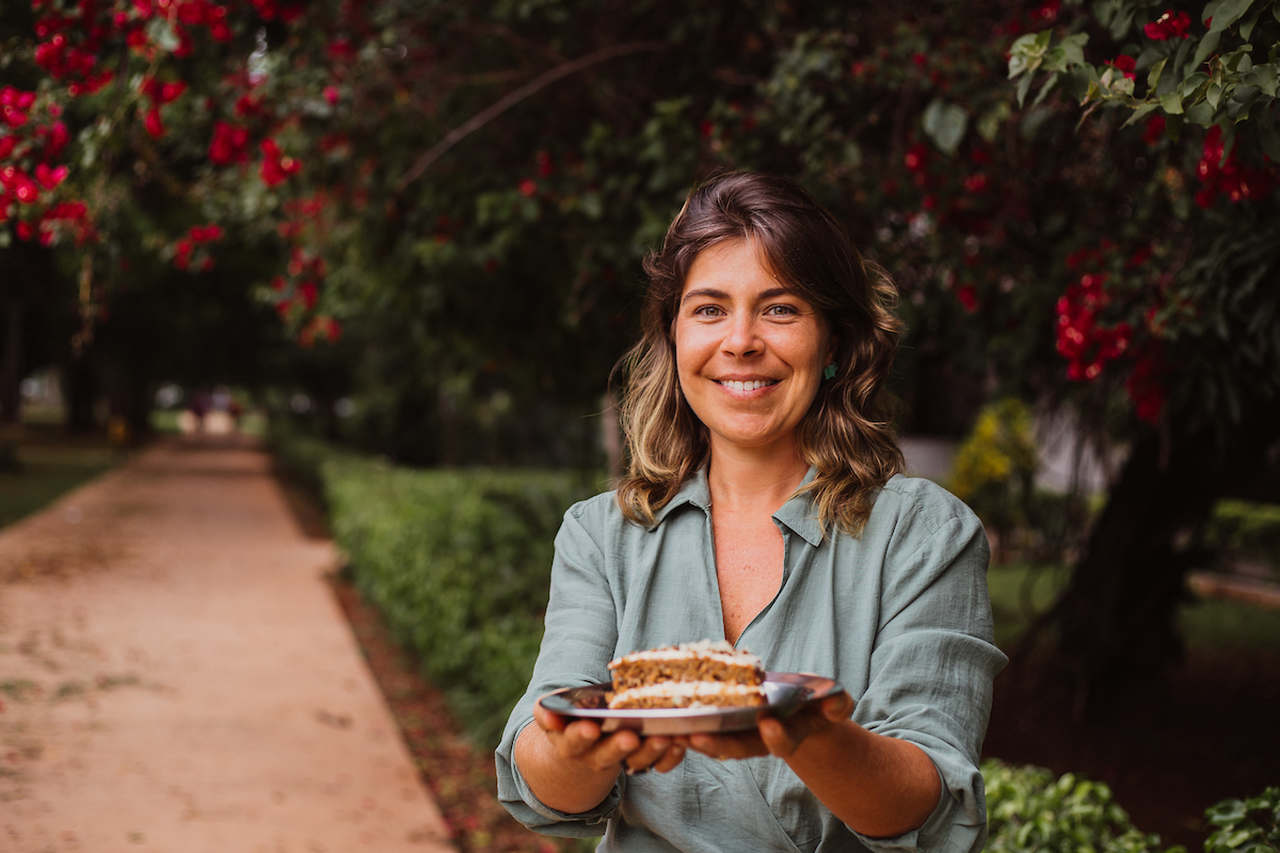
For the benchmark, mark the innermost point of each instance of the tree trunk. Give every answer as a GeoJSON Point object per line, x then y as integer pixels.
{"type": "Point", "coordinates": [1115, 625]}
{"type": "Point", "coordinates": [11, 358]}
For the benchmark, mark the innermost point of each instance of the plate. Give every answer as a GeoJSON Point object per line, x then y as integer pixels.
{"type": "Point", "coordinates": [784, 693]}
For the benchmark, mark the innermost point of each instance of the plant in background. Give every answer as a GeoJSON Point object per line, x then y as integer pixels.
{"type": "Point", "coordinates": [994, 468]}
{"type": "Point", "coordinates": [1245, 826]}
{"type": "Point", "coordinates": [1028, 809]}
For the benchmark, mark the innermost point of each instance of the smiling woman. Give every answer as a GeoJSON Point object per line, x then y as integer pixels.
{"type": "Point", "coordinates": [764, 508]}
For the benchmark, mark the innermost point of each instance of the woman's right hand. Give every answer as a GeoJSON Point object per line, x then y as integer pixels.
{"type": "Point", "coordinates": [581, 741]}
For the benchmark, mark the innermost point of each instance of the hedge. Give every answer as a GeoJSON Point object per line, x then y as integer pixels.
{"type": "Point", "coordinates": [458, 563]}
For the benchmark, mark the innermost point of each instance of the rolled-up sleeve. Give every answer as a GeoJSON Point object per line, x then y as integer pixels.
{"type": "Point", "coordinates": [932, 669]}
{"type": "Point", "coordinates": [578, 642]}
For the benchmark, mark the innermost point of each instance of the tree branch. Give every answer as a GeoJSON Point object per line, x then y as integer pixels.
{"type": "Point", "coordinates": [514, 97]}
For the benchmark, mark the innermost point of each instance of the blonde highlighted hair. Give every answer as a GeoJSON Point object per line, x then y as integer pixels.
{"type": "Point", "coordinates": [846, 434]}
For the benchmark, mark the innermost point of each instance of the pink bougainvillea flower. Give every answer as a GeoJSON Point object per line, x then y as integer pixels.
{"type": "Point", "coordinates": [1154, 130]}
{"type": "Point", "coordinates": [1124, 64]}
{"type": "Point", "coordinates": [155, 127]}
{"type": "Point", "coordinates": [916, 157]}
{"type": "Point", "coordinates": [1168, 25]}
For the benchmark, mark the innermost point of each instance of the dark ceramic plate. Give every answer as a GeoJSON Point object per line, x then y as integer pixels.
{"type": "Point", "coordinates": [784, 692]}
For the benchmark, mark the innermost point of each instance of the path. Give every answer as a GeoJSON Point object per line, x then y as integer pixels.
{"type": "Point", "coordinates": [175, 676]}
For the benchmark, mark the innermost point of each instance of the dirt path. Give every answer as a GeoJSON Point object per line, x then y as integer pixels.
{"type": "Point", "coordinates": [175, 676]}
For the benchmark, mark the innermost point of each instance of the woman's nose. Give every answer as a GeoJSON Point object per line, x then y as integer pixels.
{"type": "Point", "coordinates": [742, 338]}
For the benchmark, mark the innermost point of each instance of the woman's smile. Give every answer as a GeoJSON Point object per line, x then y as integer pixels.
{"type": "Point", "coordinates": [749, 350]}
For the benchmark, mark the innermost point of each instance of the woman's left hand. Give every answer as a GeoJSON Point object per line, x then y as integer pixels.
{"type": "Point", "coordinates": [773, 736]}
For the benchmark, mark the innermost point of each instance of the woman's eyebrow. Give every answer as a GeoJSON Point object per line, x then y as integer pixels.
{"type": "Point", "coordinates": [704, 292]}
{"type": "Point", "coordinates": [713, 293]}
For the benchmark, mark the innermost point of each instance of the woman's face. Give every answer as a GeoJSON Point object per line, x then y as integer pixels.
{"type": "Point", "coordinates": [749, 352]}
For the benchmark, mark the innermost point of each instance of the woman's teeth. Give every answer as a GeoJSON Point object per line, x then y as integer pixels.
{"type": "Point", "coordinates": [740, 387]}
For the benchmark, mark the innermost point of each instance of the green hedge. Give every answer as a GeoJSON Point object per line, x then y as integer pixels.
{"type": "Point", "coordinates": [458, 562]}
{"type": "Point", "coordinates": [1247, 530]}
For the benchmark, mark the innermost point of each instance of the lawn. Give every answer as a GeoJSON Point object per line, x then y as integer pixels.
{"type": "Point", "coordinates": [49, 464]}
{"type": "Point", "coordinates": [1020, 591]}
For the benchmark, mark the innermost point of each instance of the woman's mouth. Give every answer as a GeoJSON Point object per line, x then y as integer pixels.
{"type": "Point", "coordinates": [746, 386]}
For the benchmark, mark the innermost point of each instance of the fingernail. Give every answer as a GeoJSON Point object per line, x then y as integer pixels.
{"type": "Point", "coordinates": [631, 771]}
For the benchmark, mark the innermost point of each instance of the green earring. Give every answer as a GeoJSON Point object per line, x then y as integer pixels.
{"type": "Point", "coordinates": [829, 372]}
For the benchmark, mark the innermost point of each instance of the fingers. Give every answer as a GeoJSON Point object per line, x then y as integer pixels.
{"type": "Point", "coordinates": [838, 707]}
{"type": "Point", "coordinates": [732, 746]}
{"type": "Point", "coordinates": [650, 751]}
{"type": "Point", "coordinates": [548, 721]}
{"type": "Point", "coordinates": [670, 759]}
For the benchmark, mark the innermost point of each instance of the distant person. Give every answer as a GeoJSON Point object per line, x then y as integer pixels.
{"type": "Point", "coordinates": [199, 408]}
{"type": "Point", "coordinates": [764, 505]}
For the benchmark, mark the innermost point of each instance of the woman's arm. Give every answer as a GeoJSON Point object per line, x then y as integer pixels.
{"type": "Point", "coordinates": [880, 786]}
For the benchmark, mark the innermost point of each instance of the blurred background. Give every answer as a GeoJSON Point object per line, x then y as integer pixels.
{"type": "Point", "coordinates": [399, 244]}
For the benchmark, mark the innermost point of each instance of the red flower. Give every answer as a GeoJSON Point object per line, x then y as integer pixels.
{"type": "Point", "coordinates": [528, 188]}
{"type": "Point", "coordinates": [155, 127]}
{"type": "Point", "coordinates": [308, 291]}
{"type": "Point", "coordinates": [1124, 64]}
{"type": "Point", "coordinates": [331, 94]}
{"type": "Point", "coordinates": [976, 182]}
{"type": "Point", "coordinates": [1168, 25]}
{"type": "Point", "coordinates": [1154, 130]}
{"type": "Point", "coordinates": [50, 178]}
{"type": "Point", "coordinates": [7, 144]}
{"type": "Point", "coordinates": [968, 296]}
{"type": "Point", "coordinates": [916, 157]}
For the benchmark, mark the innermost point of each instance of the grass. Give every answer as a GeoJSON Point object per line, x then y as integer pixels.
{"type": "Point", "coordinates": [49, 465]}
{"type": "Point", "coordinates": [1020, 591]}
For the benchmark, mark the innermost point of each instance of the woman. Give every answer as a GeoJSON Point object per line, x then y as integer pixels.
{"type": "Point", "coordinates": [764, 505]}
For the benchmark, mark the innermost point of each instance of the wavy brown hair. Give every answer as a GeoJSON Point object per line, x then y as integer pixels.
{"type": "Point", "coordinates": [846, 434]}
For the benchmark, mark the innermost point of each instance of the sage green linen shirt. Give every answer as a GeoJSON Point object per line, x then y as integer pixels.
{"type": "Point", "coordinates": [899, 615]}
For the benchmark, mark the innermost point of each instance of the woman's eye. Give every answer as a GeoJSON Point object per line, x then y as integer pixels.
{"type": "Point", "coordinates": [707, 310]}
{"type": "Point", "coordinates": [781, 310]}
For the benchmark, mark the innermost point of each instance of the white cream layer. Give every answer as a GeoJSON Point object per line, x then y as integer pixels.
{"type": "Point", "coordinates": [717, 650]}
{"type": "Point", "coordinates": [686, 689]}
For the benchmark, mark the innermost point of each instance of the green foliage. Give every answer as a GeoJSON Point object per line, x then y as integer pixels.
{"type": "Point", "coordinates": [1028, 809]}
{"type": "Point", "coordinates": [1224, 71]}
{"type": "Point", "coordinates": [995, 466]}
{"type": "Point", "coordinates": [1246, 529]}
{"type": "Point", "coordinates": [1246, 826]}
{"type": "Point", "coordinates": [457, 561]}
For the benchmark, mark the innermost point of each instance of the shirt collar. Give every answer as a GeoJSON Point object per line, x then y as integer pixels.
{"type": "Point", "coordinates": [796, 514]}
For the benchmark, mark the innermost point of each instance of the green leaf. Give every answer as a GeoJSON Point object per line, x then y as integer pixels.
{"type": "Point", "coordinates": [1246, 29]}
{"type": "Point", "coordinates": [1269, 134]}
{"type": "Point", "coordinates": [1153, 76]}
{"type": "Point", "coordinates": [945, 123]}
{"type": "Point", "coordinates": [988, 125]}
{"type": "Point", "coordinates": [1265, 77]}
{"type": "Point", "coordinates": [1171, 103]}
{"type": "Point", "coordinates": [1073, 50]}
{"type": "Point", "coordinates": [1225, 13]}
{"type": "Point", "coordinates": [1208, 44]}
{"type": "Point", "coordinates": [1023, 86]}
{"type": "Point", "coordinates": [1212, 96]}
{"type": "Point", "coordinates": [1140, 112]}
{"type": "Point", "coordinates": [1044, 90]}
{"type": "Point", "coordinates": [1201, 113]}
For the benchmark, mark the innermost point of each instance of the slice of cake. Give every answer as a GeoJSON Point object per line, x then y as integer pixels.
{"type": "Point", "coordinates": [703, 674]}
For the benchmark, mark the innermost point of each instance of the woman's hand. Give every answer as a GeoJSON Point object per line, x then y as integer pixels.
{"type": "Point", "coordinates": [581, 741]}
{"type": "Point", "coordinates": [773, 736]}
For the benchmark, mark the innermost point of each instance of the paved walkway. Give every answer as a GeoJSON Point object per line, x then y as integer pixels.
{"type": "Point", "coordinates": [175, 676]}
